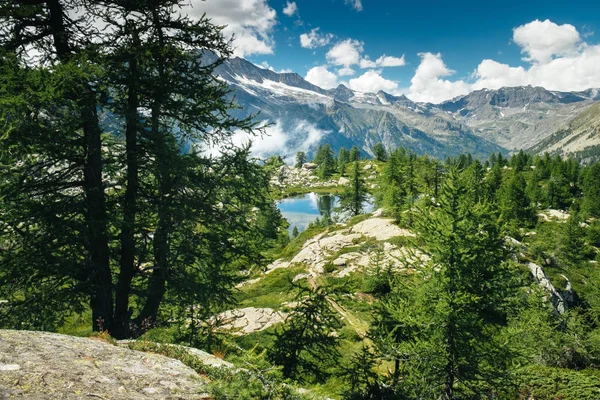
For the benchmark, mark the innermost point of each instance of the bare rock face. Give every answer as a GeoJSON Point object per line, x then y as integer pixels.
{"type": "Point", "coordinates": [42, 365]}
{"type": "Point", "coordinates": [244, 321]}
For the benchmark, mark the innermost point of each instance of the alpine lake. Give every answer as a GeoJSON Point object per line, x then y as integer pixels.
{"type": "Point", "coordinates": [301, 210]}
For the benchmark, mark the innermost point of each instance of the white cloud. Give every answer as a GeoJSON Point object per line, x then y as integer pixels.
{"type": "Point", "coordinates": [266, 65]}
{"type": "Point", "coordinates": [314, 39]}
{"type": "Point", "coordinates": [346, 71]}
{"type": "Point", "coordinates": [356, 4]}
{"type": "Point", "coordinates": [390, 61]}
{"type": "Point", "coordinates": [559, 60]}
{"type": "Point", "coordinates": [366, 63]}
{"type": "Point", "coordinates": [541, 41]}
{"type": "Point", "coordinates": [383, 61]}
{"type": "Point", "coordinates": [281, 140]}
{"type": "Point", "coordinates": [290, 8]}
{"type": "Point", "coordinates": [372, 81]}
{"type": "Point", "coordinates": [426, 84]}
{"type": "Point", "coordinates": [345, 53]}
{"type": "Point", "coordinates": [322, 77]}
{"type": "Point", "coordinates": [251, 21]}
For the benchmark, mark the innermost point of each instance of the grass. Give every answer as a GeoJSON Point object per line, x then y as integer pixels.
{"type": "Point", "coordinates": [272, 290]}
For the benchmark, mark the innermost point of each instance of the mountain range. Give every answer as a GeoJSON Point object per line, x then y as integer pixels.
{"type": "Point", "coordinates": [304, 115]}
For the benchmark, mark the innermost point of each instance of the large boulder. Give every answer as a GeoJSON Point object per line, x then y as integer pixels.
{"type": "Point", "coordinates": [42, 365]}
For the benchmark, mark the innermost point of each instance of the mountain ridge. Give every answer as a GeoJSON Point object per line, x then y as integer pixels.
{"type": "Point", "coordinates": [480, 122]}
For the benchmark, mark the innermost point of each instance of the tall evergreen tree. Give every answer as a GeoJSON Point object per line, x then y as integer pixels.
{"type": "Point", "coordinates": [442, 329]}
{"type": "Point", "coordinates": [300, 159]}
{"type": "Point", "coordinates": [380, 152]}
{"type": "Point", "coordinates": [355, 193]}
{"type": "Point", "coordinates": [354, 154]}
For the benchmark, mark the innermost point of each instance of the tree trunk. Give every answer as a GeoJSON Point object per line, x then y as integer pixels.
{"type": "Point", "coordinates": [127, 261]}
{"type": "Point", "coordinates": [99, 275]}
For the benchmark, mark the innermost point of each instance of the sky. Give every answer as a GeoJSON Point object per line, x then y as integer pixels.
{"type": "Point", "coordinates": [430, 50]}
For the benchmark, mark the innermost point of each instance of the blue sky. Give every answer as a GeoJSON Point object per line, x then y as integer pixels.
{"type": "Point", "coordinates": [436, 49]}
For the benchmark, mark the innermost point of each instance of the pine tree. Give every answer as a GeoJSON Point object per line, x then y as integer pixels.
{"type": "Point", "coordinates": [325, 160]}
{"type": "Point", "coordinates": [300, 159]}
{"type": "Point", "coordinates": [305, 346]}
{"type": "Point", "coordinates": [441, 330]}
{"type": "Point", "coordinates": [380, 152]}
{"type": "Point", "coordinates": [354, 154]}
{"type": "Point", "coordinates": [355, 193]}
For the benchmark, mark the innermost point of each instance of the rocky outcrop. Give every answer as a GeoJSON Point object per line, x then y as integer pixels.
{"type": "Point", "coordinates": [247, 320]}
{"type": "Point", "coordinates": [288, 176]}
{"type": "Point", "coordinates": [42, 365]}
{"type": "Point", "coordinates": [558, 300]}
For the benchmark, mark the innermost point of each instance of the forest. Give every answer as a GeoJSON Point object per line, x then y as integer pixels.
{"type": "Point", "coordinates": [115, 220]}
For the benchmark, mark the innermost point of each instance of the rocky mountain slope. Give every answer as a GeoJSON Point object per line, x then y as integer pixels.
{"type": "Point", "coordinates": [580, 138]}
{"type": "Point", "coordinates": [480, 122]}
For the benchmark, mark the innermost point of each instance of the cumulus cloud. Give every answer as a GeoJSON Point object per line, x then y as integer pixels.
{"type": "Point", "coordinates": [541, 41]}
{"type": "Point", "coordinates": [251, 21]}
{"type": "Point", "coordinates": [427, 85]}
{"type": "Point", "coordinates": [366, 63]}
{"type": "Point", "coordinates": [558, 60]}
{"type": "Point", "coordinates": [356, 4]}
{"type": "Point", "coordinates": [290, 8]}
{"type": "Point", "coordinates": [345, 53]}
{"type": "Point", "coordinates": [372, 81]}
{"type": "Point", "coordinates": [322, 77]}
{"type": "Point", "coordinates": [390, 61]}
{"type": "Point", "coordinates": [281, 140]}
{"type": "Point", "coordinates": [383, 61]}
{"type": "Point", "coordinates": [345, 71]}
{"type": "Point", "coordinates": [314, 39]}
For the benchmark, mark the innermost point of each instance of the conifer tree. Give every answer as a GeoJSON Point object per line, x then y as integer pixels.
{"type": "Point", "coordinates": [355, 193]}
{"type": "Point", "coordinates": [354, 154]}
{"type": "Point", "coordinates": [305, 346]}
{"type": "Point", "coordinates": [440, 324]}
{"type": "Point", "coordinates": [300, 159]}
{"type": "Point", "coordinates": [380, 152]}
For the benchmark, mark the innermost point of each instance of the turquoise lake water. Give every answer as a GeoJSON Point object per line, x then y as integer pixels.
{"type": "Point", "coordinates": [301, 210]}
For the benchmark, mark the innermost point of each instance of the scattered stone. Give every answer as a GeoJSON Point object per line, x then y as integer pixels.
{"type": "Point", "coordinates": [310, 166]}
{"type": "Point", "coordinates": [343, 181]}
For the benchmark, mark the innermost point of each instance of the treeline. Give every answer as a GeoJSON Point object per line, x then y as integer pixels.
{"type": "Point", "coordinates": [125, 224]}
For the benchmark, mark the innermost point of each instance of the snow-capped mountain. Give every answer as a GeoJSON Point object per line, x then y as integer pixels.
{"type": "Point", "coordinates": [481, 122]}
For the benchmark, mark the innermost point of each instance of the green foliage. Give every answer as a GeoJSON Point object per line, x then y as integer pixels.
{"type": "Point", "coordinates": [545, 383]}
{"type": "Point", "coordinates": [354, 154]}
{"type": "Point", "coordinates": [380, 152]}
{"type": "Point", "coordinates": [324, 157]}
{"type": "Point", "coordinates": [452, 318]}
{"type": "Point", "coordinates": [355, 193]}
{"type": "Point", "coordinates": [300, 159]}
{"type": "Point", "coordinates": [305, 346]}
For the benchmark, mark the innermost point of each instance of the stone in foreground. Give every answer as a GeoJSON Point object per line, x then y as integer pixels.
{"type": "Point", "coordinates": [42, 365]}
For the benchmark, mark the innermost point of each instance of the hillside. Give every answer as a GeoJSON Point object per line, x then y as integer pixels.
{"type": "Point", "coordinates": [579, 139]}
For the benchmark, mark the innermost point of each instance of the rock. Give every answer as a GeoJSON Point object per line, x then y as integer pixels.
{"type": "Point", "coordinates": [42, 365]}
{"type": "Point", "coordinates": [380, 228]}
{"type": "Point", "coordinates": [343, 181]}
{"type": "Point", "coordinates": [551, 215]}
{"type": "Point", "coordinates": [542, 279]}
{"type": "Point", "coordinates": [378, 213]}
{"type": "Point", "coordinates": [367, 167]}
{"type": "Point", "coordinates": [310, 166]}
{"type": "Point", "coordinates": [247, 320]}
{"type": "Point", "coordinates": [300, 277]}
{"type": "Point", "coordinates": [277, 264]}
